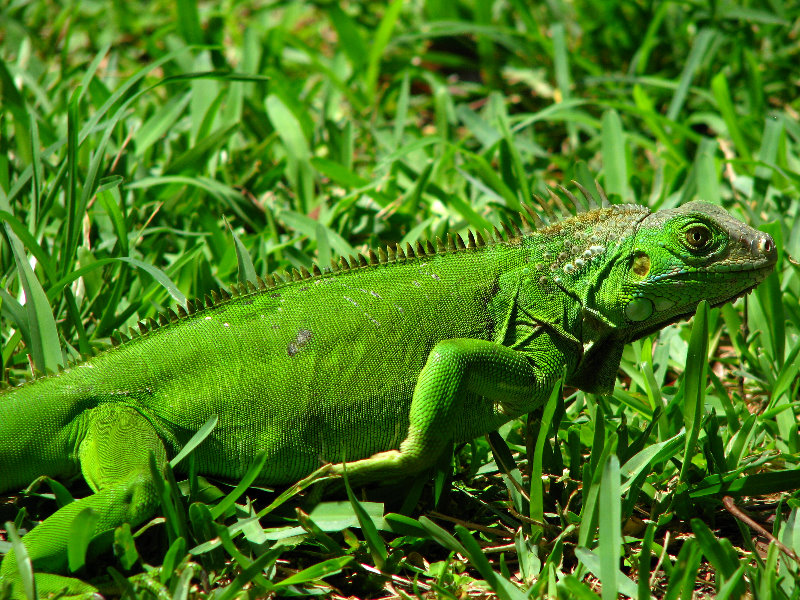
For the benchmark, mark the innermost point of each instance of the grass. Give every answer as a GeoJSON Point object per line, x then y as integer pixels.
{"type": "Point", "coordinates": [154, 151]}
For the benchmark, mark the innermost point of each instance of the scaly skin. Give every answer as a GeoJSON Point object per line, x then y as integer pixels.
{"type": "Point", "coordinates": [382, 364]}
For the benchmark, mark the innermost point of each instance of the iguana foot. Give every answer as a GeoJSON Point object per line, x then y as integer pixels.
{"type": "Point", "coordinates": [391, 464]}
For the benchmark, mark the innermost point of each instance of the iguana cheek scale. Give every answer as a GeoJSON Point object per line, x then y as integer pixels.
{"type": "Point", "coordinates": [384, 361]}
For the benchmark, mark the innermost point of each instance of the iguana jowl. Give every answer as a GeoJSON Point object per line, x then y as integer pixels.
{"type": "Point", "coordinates": [384, 361]}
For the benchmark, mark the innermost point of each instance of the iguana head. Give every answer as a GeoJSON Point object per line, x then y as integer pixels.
{"type": "Point", "coordinates": [677, 258]}
{"type": "Point", "coordinates": [641, 271]}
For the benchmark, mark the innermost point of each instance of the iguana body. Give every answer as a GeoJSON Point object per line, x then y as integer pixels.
{"type": "Point", "coordinates": [384, 362]}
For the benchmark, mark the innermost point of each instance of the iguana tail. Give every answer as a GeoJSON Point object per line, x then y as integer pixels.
{"type": "Point", "coordinates": [67, 424]}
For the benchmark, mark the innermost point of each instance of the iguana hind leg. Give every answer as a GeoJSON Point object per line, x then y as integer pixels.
{"type": "Point", "coordinates": [114, 458]}
{"type": "Point", "coordinates": [467, 387]}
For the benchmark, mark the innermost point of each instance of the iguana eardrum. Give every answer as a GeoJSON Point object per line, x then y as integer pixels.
{"type": "Point", "coordinates": [384, 360]}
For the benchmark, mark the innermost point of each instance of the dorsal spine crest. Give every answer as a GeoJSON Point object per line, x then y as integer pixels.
{"type": "Point", "coordinates": [453, 243]}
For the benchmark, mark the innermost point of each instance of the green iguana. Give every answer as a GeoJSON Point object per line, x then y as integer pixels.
{"type": "Point", "coordinates": [385, 359]}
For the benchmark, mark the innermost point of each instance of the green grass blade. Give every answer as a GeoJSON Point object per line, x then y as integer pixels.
{"type": "Point", "coordinates": [296, 145]}
{"type": "Point", "coordinates": [767, 155]}
{"type": "Point", "coordinates": [719, 552]}
{"type": "Point", "coordinates": [732, 587]}
{"type": "Point", "coordinates": [758, 484]}
{"type": "Point", "coordinates": [188, 21]}
{"type": "Point", "coordinates": [69, 241]}
{"type": "Point", "coordinates": [614, 155]}
{"type": "Point", "coordinates": [722, 94]}
{"type": "Point", "coordinates": [593, 563]}
{"type": "Point", "coordinates": [159, 124]}
{"type": "Point", "coordinates": [684, 572]}
{"type": "Point", "coordinates": [771, 297]}
{"type": "Point", "coordinates": [258, 579]}
{"type": "Point", "coordinates": [537, 487]}
{"type": "Point", "coordinates": [36, 164]}
{"type": "Point", "coordinates": [694, 383]}
{"type": "Point", "coordinates": [252, 474]}
{"type": "Point", "coordinates": [200, 435]}
{"type": "Point", "coordinates": [24, 564]}
{"type": "Point", "coordinates": [643, 462]}
{"type": "Point", "coordinates": [378, 45]}
{"type": "Point", "coordinates": [332, 566]}
{"type": "Point", "coordinates": [610, 535]}
{"type": "Point", "coordinates": [501, 586]}
{"type": "Point", "coordinates": [294, 490]}
{"type": "Point", "coordinates": [175, 554]}
{"type": "Point", "coordinates": [644, 562]}
{"type": "Point", "coordinates": [791, 535]}
{"type": "Point", "coordinates": [167, 492]}
{"type": "Point", "coordinates": [442, 536]}
{"type": "Point", "coordinates": [697, 55]}
{"type": "Point", "coordinates": [401, 115]}
{"type": "Point", "coordinates": [512, 478]}
{"type": "Point", "coordinates": [109, 198]}
{"type": "Point", "coordinates": [13, 102]}
{"type": "Point", "coordinates": [571, 588]}
{"type": "Point", "coordinates": [247, 271]}
{"type": "Point", "coordinates": [28, 241]}
{"type": "Point", "coordinates": [590, 508]}
{"type": "Point", "coordinates": [308, 226]}
{"type": "Point", "coordinates": [562, 72]}
{"type": "Point", "coordinates": [707, 172]}
{"type": "Point", "coordinates": [247, 575]}
{"type": "Point", "coordinates": [125, 546]}
{"type": "Point", "coordinates": [740, 442]}
{"type": "Point", "coordinates": [45, 347]}
{"type": "Point", "coordinates": [351, 39]}
{"type": "Point", "coordinates": [81, 533]}
{"type": "Point", "coordinates": [377, 547]}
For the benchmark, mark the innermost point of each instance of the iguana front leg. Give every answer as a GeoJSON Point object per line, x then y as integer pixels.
{"type": "Point", "coordinates": [460, 378]}
{"type": "Point", "coordinates": [114, 458]}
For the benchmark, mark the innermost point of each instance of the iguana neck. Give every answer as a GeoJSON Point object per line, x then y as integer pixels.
{"type": "Point", "coordinates": [578, 258]}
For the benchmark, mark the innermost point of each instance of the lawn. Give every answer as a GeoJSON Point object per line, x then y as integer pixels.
{"type": "Point", "coordinates": [154, 151]}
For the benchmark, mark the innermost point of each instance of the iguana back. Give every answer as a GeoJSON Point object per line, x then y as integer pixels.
{"type": "Point", "coordinates": [311, 370]}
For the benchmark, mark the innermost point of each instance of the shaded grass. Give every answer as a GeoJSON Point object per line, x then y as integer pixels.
{"type": "Point", "coordinates": [131, 131]}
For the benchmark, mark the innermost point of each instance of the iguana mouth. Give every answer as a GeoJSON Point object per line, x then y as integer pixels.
{"type": "Point", "coordinates": [689, 313]}
{"type": "Point", "coordinates": [744, 292]}
{"type": "Point", "coordinates": [760, 270]}
{"type": "Point", "coordinates": [757, 274]}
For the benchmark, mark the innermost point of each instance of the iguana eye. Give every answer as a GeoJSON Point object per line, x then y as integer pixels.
{"type": "Point", "coordinates": [698, 237]}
